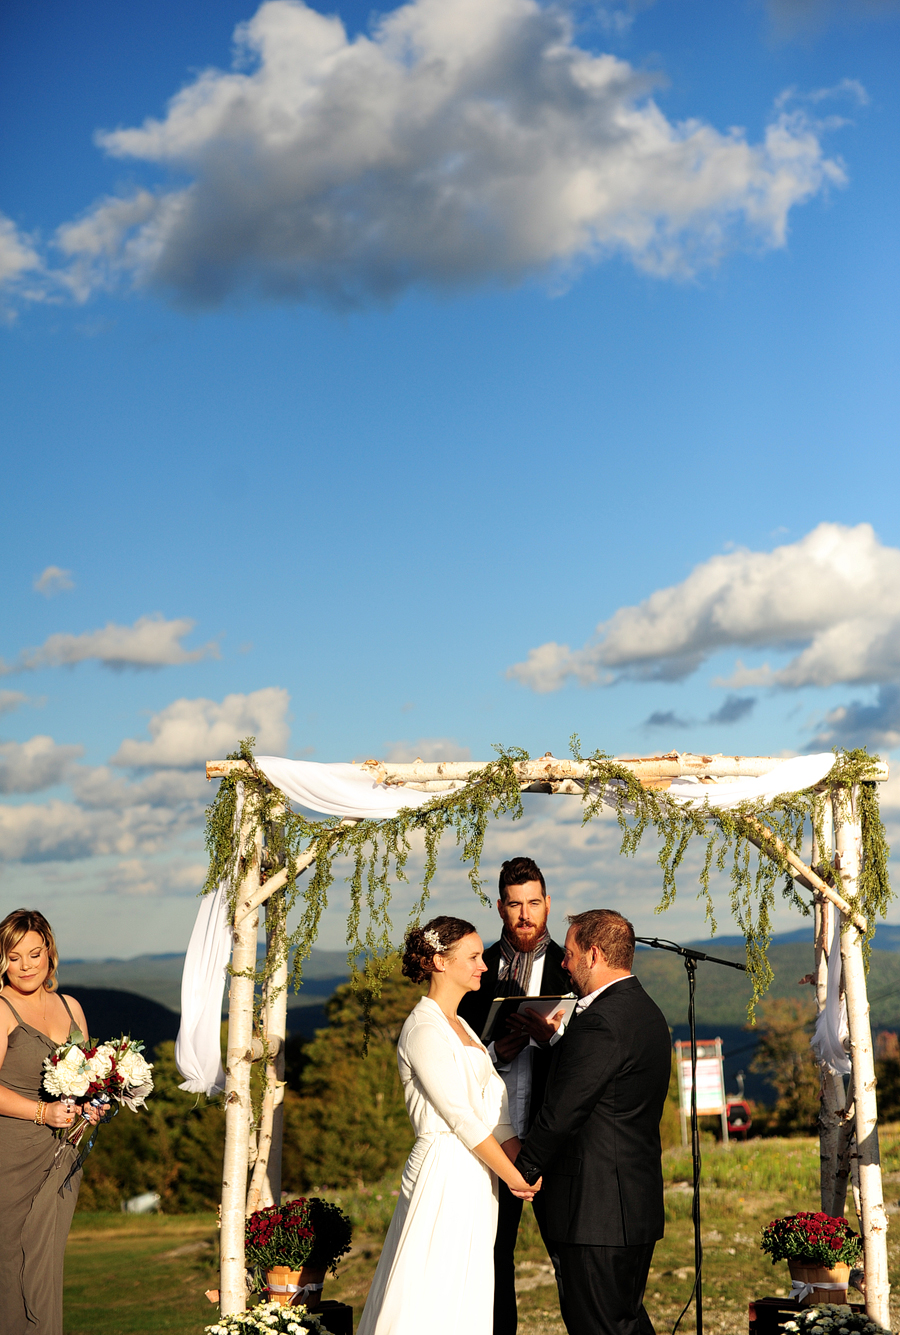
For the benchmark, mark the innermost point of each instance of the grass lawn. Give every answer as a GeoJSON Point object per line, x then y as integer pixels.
{"type": "Point", "coordinates": [135, 1274]}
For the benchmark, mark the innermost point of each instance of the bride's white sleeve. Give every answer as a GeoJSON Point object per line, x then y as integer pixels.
{"type": "Point", "coordinates": [434, 1066]}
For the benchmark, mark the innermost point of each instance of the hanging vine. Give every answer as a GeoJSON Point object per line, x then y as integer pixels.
{"type": "Point", "coordinates": [379, 851]}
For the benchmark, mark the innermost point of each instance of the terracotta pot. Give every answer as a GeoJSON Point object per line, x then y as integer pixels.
{"type": "Point", "coordinates": [285, 1286]}
{"type": "Point", "coordinates": [827, 1285]}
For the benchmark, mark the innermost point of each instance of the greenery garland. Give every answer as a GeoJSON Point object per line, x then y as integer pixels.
{"type": "Point", "coordinates": [380, 851]}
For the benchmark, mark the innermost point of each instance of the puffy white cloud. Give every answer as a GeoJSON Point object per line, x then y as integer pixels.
{"type": "Point", "coordinates": [11, 700]}
{"type": "Point", "coordinates": [189, 732]}
{"type": "Point", "coordinates": [17, 254]}
{"type": "Point", "coordinates": [137, 877]}
{"type": "Point", "coordinates": [103, 789]}
{"type": "Point", "coordinates": [832, 599]}
{"type": "Point", "coordinates": [56, 831]}
{"type": "Point", "coordinates": [151, 642]}
{"type": "Point", "coordinates": [54, 580]}
{"type": "Point", "coordinates": [27, 767]}
{"type": "Point", "coordinates": [462, 141]}
{"type": "Point", "coordinates": [427, 748]}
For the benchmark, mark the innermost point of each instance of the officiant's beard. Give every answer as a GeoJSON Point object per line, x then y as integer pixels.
{"type": "Point", "coordinates": [524, 938]}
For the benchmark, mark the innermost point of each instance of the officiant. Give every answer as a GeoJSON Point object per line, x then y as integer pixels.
{"type": "Point", "coordinates": [525, 962]}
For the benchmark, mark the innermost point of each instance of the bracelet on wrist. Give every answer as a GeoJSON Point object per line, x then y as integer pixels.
{"type": "Point", "coordinates": [40, 1115]}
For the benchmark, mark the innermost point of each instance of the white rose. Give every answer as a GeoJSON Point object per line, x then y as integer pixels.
{"type": "Point", "coordinates": [133, 1069]}
{"type": "Point", "coordinates": [101, 1062]}
{"type": "Point", "coordinates": [73, 1073]}
{"type": "Point", "coordinates": [52, 1082]}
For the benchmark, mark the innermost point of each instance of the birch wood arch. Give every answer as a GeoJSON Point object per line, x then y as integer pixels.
{"type": "Point", "coordinates": [265, 869]}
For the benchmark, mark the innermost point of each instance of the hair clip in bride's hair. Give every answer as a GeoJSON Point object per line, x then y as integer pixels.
{"type": "Point", "coordinates": [432, 939]}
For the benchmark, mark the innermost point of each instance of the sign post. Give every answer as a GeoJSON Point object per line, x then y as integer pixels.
{"type": "Point", "coordinates": [710, 1084]}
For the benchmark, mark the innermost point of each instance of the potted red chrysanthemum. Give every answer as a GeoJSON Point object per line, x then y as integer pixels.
{"type": "Point", "coordinates": [819, 1250]}
{"type": "Point", "coordinates": [289, 1248]}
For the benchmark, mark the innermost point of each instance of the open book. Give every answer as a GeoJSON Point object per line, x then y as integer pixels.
{"type": "Point", "coordinates": [503, 1007]}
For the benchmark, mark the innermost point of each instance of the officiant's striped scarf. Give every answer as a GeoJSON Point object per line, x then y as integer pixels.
{"type": "Point", "coordinates": [514, 978]}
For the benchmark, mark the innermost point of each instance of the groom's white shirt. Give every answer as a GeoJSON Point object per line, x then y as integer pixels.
{"type": "Point", "coordinates": [584, 1002]}
{"type": "Point", "coordinates": [517, 1073]}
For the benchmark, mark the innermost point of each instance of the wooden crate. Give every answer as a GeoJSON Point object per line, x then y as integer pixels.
{"type": "Point", "coordinates": [337, 1318]}
{"type": "Point", "coordinates": [768, 1315]}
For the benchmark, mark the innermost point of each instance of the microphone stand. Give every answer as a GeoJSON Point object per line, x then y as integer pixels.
{"type": "Point", "coordinates": [691, 958]}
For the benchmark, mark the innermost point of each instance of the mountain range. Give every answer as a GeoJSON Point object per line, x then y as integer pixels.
{"type": "Point", "coordinates": [143, 995]}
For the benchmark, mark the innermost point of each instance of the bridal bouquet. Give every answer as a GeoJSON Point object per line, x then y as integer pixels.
{"type": "Point", "coordinates": [103, 1074]}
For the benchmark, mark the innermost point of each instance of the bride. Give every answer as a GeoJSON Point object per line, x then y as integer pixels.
{"type": "Point", "coordinates": [438, 1256]}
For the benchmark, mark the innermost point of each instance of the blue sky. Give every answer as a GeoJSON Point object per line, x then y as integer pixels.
{"type": "Point", "coordinates": [514, 319]}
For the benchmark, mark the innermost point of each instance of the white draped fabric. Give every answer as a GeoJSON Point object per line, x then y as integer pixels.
{"type": "Point", "coordinates": [791, 776]}
{"type": "Point", "coordinates": [349, 791]}
{"type": "Point", "coordinates": [198, 1048]}
{"type": "Point", "coordinates": [832, 1028]}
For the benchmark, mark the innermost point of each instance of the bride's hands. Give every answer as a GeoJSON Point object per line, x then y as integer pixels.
{"type": "Point", "coordinates": [530, 1191]}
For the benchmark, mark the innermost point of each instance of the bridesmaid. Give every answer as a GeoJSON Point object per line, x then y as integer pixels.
{"type": "Point", "coordinates": [36, 1207]}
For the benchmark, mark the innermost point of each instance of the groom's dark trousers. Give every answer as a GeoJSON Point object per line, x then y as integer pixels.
{"type": "Point", "coordinates": [596, 1143]}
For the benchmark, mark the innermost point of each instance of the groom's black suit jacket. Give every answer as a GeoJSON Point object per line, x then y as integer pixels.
{"type": "Point", "coordinates": [596, 1138]}
{"type": "Point", "coordinates": [474, 1009]}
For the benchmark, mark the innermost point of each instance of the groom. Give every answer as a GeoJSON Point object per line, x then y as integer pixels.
{"type": "Point", "coordinates": [595, 1141]}
{"type": "Point", "coordinates": [526, 963]}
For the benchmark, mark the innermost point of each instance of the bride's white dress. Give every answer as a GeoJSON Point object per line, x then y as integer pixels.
{"type": "Point", "coordinates": [436, 1271]}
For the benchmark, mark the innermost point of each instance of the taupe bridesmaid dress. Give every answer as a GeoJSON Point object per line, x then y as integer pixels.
{"type": "Point", "coordinates": [36, 1207]}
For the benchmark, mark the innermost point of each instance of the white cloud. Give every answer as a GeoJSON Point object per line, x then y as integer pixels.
{"type": "Point", "coordinates": [426, 748]}
{"type": "Point", "coordinates": [462, 141]}
{"type": "Point", "coordinates": [56, 831]}
{"type": "Point", "coordinates": [103, 789]}
{"type": "Point", "coordinates": [151, 642]}
{"type": "Point", "coordinates": [54, 580]}
{"type": "Point", "coordinates": [136, 877]}
{"type": "Point", "coordinates": [832, 600]}
{"type": "Point", "coordinates": [11, 701]}
{"type": "Point", "coordinates": [17, 253]}
{"type": "Point", "coordinates": [189, 732]}
{"type": "Point", "coordinates": [28, 767]}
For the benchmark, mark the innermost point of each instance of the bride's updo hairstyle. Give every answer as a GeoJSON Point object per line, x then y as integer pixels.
{"type": "Point", "coordinates": [18, 924]}
{"type": "Point", "coordinates": [437, 937]}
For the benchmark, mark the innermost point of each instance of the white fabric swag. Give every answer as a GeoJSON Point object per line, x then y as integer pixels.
{"type": "Point", "coordinates": [832, 1030]}
{"type": "Point", "coordinates": [347, 790]}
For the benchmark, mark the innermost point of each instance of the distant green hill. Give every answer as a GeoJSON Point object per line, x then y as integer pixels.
{"type": "Point", "coordinates": [159, 976]}
{"type": "Point", "coordinates": [723, 994]}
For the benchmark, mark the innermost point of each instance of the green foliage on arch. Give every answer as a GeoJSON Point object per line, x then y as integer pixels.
{"type": "Point", "coordinates": [379, 851]}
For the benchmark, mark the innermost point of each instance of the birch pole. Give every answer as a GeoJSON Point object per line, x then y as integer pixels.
{"type": "Point", "coordinates": [265, 1182]}
{"type": "Point", "coordinates": [238, 1111]}
{"type": "Point", "coordinates": [831, 1108]}
{"type": "Point", "coordinates": [873, 1219]}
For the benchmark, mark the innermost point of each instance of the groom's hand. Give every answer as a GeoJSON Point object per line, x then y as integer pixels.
{"type": "Point", "coordinates": [539, 1027]}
